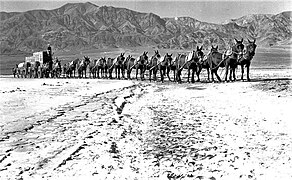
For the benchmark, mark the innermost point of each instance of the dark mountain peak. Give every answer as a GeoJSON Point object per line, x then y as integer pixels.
{"type": "Point", "coordinates": [77, 7]}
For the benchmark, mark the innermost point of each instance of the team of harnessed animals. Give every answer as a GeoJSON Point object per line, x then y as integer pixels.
{"type": "Point", "coordinates": [193, 62]}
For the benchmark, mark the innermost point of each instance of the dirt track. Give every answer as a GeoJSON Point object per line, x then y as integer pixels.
{"type": "Point", "coordinates": [158, 131]}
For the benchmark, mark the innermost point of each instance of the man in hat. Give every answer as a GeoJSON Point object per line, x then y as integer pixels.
{"type": "Point", "coordinates": [49, 50]}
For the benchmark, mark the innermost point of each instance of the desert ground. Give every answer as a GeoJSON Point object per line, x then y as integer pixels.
{"type": "Point", "coordinates": [120, 129]}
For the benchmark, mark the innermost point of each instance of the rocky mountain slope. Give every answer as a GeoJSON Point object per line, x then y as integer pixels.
{"type": "Point", "coordinates": [76, 26]}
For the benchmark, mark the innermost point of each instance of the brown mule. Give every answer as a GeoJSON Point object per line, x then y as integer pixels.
{"type": "Point", "coordinates": [188, 62]}
{"type": "Point", "coordinates": [245, 60]}
{"type": "Point", "coordinates": [152, 65]}
{"type": "Point", "coordinates": [217, 59]}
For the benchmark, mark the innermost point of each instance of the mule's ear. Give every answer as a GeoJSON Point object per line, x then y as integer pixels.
{"type": "Point", "coordinates": [201, 48]}
{"type": "Point", "coordinates": [241, 40]}
{"type": "Point", "coordinates": [254, 40]}
{"type": "Point", "coordinates": [198, 48]}
{"type": "Point", "coordinates": [146, 53]}
{"type": "Point", "coordinates": [235, 40]}
{"type": "Point", "coordinates": [170, 54]}
{"type": "Point", "coordinates": [216, 47]}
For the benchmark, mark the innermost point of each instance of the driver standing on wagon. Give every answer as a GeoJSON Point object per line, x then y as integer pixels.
{"type": "Point", "coordinates": [50, 56]}
{"type": "Point", "coordinates": [50, 50]}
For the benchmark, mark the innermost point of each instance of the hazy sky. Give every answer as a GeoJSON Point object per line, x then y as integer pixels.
{"type": "Point", "coordinates": [209, 11]}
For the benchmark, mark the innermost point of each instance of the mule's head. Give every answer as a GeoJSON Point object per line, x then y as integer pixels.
{"type": "Point", "coordinates": [238, 46]}
{"type": "Point", "coordinates": [143, 58]}
{"type": "Point", "coordinates": [167, 58]}
{"type": "Point", "coordinates": [129, 57]}
{"type": "Point", "coordinates": [86, 60]}
{"type": "Point", "coordinates": [214, 49]}
{"type": "Point", "coordinates": [155, 56]}
{"type": "Point", "coordinates": [199, 52]}
{"type": "Point", "coordinates": [251, 47]}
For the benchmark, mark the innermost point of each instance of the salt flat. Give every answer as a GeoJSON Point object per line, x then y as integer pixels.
{"type": "Point", "coordinates": [109, 129]}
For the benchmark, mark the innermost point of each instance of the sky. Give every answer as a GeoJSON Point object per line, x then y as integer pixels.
{"type": "Point", "coordinates": [212, 11]}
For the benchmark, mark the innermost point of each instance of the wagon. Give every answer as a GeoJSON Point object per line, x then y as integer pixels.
{"type": "Point", "coordinates": [39, 64]}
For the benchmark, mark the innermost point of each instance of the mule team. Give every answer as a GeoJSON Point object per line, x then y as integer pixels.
{"type": "Point", "coordinates": [194, 62]}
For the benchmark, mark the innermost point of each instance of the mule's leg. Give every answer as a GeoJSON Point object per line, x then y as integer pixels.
{"type": "Point", "coordinates": [174, 78]}
{"type": "Point", "coordinates": [188, 75]}
{"type": "Point", "coordinates": [150, 73]}
{"type": "Point", "coordinates": [198, 76]}
{"type": "Point", "coordinates": [230, 75]}
{"type": "Point", "coordinates": [167, 73]}
{"type": "Point", "coordinates": [123, 73]}
{"type": "Point", "coordinates": [129, 73]}
{"type": "Point", "coordinates": [97, 73]}
{"type": "Point", "coordinates": [193, 75]}
{"type": "Point", "coordinates": [242, 71]}
{"type": "Point", "coordinates": [208, 72]}
{"type": "Point", "coordinates": [119, 71]}
{"type": "Point", "coordinates": [178, 72]}
{"type": "Point", "coordinates": [226, 72]}
{"type": "Point", "coordinates": [137, 73]}
{"type": "Point", "coordinates": [141, 74]}
{"type": "Point", "coordinates": [247, 71]}
{"type": "Point", "coordinates": [218, 77]}
{"type": "Point", "coordinates": [161, 75]}
{"type": "Point", "coordinates": [234, 76]}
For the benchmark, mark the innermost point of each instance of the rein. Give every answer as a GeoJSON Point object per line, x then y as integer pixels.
{"type": "Point", "coordinates": [155, 66]}
{"type": "Point", "coordinates": [112, 65]}
{"type": "Point", "coordinates": [134, 64]}
{"type": "Point", "coordinates": [185, 64]}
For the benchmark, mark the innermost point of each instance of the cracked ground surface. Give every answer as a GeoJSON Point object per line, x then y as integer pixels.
{"type": "Point", "coordinates": [138, 130]}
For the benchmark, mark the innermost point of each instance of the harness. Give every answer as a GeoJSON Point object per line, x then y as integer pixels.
{"type": "Point", "coordinates": [161, 59]}
{"type": "Point", "coordinates": [225, 56]}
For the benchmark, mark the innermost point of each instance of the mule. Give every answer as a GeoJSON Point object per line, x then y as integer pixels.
{"type": "Point", "coordinates": [152, 65]}
{"type": "Point", "coordinates": [71, 68]}
{"type": "Point", "coordinates": [203, 64]}
{"type": "Point", "coordinates": [82, 66]}
{"type": "Point", "coordinates": [129, 65]}
{"type": "Point", "coordinates": [92, 68]}
{"type": "Point", "coordinates": [217, 59]}
{"type": "Point", "coordinates": [45, 70]}
{"type": "Point", "coordinates": [119, 66]}
{"type": "Point", "coordinates": [14, 71]}
{"type": "Point", "coordinates": [23, 69]}
{"type": "Point", "coordinates": [65, 70]}
{"type": "Point", "coordinates": [245, 60]}
{"type": "Point", "coordinates": [140, 64]}
{"type": "Point", "coordinates": [109, 67]}
{"type": "Point", "coordinates": [172, 67]}
{"type": "Point", "coordinates": [35, 66]}
{"type": "Point", "coordinates": [57, 69]}
{"type": "Point", "coordinates": [163, 65]}
{"type": "Point", "coordinates": [101, 67]}
{"type": "Point", "coordinates": [188, 62]}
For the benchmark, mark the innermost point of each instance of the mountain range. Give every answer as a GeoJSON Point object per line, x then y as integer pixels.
{"type": "Point", "coordinates": [77, 26]}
